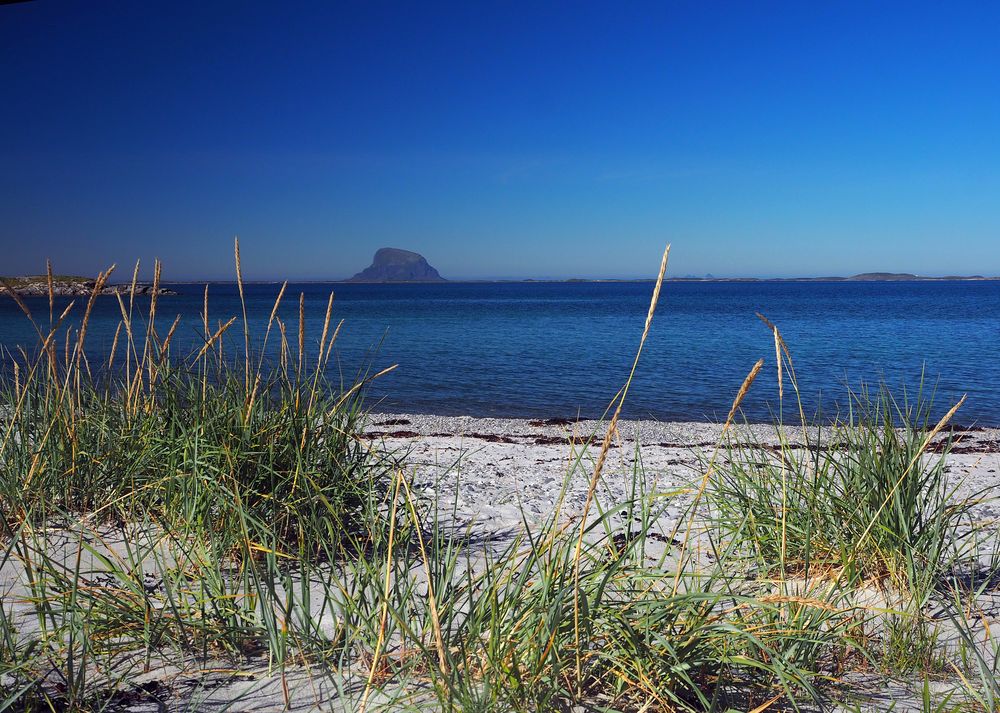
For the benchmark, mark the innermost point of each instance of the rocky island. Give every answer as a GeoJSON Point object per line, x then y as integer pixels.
{"type": "Point", "coordinates": [71, 286]}
{"type": "Point", "coordinates": [395, 265]}
{"type": "Point", "coordinates": [861, 277]}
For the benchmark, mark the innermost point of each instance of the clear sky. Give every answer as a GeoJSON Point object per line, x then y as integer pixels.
{"type": "Point", "coordinates": [501, 139]}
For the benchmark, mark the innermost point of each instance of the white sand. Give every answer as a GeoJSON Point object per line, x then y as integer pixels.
{"type": "Point", "coordinates": [493, 469]}
{"type": "Point", "coordinates": [493, 475]}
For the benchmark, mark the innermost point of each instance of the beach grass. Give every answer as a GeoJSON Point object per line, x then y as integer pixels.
{"type": "Point", "coordinates": [862, 500]}
{"type": "Point", "coordinates": [216, 511]}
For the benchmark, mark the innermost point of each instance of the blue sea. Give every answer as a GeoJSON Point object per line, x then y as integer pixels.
{"type": "Point", "coordinates": [564, 349]}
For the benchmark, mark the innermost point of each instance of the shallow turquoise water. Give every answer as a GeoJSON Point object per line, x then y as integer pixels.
{"type": "Point", "coordinates": [559, 349]}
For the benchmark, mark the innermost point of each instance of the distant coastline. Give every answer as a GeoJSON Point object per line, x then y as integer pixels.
{"type": "Point", "coordinates": [73, 286]}
{"type": "Point", "coordinates": [79, 286]}
{"type": "Point", "coordinates": [863, 277]}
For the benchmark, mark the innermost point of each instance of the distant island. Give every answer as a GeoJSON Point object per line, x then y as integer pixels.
{"type": "Point", "coordinates": [404, 266]}
{"type": "Point", "coordinates": [71, 286]}
{"type": "Point", "coordinates": [395, 265]}
{"type": "Point", "coordinates": [862, 277]}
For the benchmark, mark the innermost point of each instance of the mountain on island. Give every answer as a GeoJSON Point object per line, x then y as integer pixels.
{"type": "Point", "coordinates": [906, 277]}
{"type": "Point", "coordinates": [884, 277]}
{"type": "Point", "coordinates": [395, 265]}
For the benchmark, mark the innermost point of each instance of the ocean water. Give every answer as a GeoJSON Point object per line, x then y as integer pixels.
{"type": "Point", "coordinates": [563, 349]}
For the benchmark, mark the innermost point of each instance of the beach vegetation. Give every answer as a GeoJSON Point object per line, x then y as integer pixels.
{"type": "Point", "coordinates": [218, 511]}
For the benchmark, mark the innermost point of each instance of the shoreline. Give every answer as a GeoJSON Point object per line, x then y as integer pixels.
{"type": "Point", "coordinates": [596, 280]}
{"type": "Point", "coordinates": [572, 280]}
{"type": "Point", "coordinates": [648, 431]}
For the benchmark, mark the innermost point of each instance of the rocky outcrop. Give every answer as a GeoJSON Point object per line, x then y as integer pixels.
{"type": "Point", "coordinates": [395, 265]}
{"type": "Point", "coordinates": [72, 287]}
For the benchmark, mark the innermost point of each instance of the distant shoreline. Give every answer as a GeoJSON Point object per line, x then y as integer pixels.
{"type": "Point", "coordinates": [77, 286]}
{"type": "Point", "coordinates": [530, 281]}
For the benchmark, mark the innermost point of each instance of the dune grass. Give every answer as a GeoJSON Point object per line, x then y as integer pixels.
{"type": "Point", "coordinates": [862, 498]}
{"type": "Point", "coordinates": [203, 512]}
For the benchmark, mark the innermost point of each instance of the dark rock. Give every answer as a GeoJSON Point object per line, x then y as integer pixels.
{"type": "Point", "coordinates": [492, 437]}
{"type": "Point", "coordinates": [537, 423]}
{"type": "Point", "coordinates": [395, 265]}
{"type": "Point", "coordinates": [372, 435]}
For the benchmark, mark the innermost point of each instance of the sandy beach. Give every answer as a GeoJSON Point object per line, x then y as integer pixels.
{"type": "Point", "coordinates": [492, 479]}
{"type": "Point", "coordinates": [495, 473]}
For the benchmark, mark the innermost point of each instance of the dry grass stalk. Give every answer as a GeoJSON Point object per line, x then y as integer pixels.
{"type": "Point", "coordinates": [779, 342]}
{"type": "Point", "coordinates": [302, 332]}
{"type": "Point", "coordinates": [98, 287]}
{"type": "Point", "coordinates": [170, 334]}
{"type": "Point", "coordinates": [319, 358]}
{"type": "Point", "coordinates": [330, 343]}
{"type": "Point", "coordinates": [358, 386]}
{"type": "Point", "coordinates": [252, 396]}
{"type": "Point", "coordinates": [51, 290]}
{"type": "Point", "coordinates": [740, 395]}
{"type": "Point", "coordinates": [20, 303]}
{"type": "Point", "coordinates": [114, 347]}
{"type": "Point", "coordinates": [214, 338]}
{"type": "Point", "coordinates": [243, 304]}
{"type": "Point", "coordinates": [431, 598]}
{"type": "Point", "coordinates": [283, 357]}
{"type": "Point", "coordinates": [602, 455]}
{"type": "Point", "coordinates": [387, 588]}
{"type": "Point", "coordinates": [130, 341]}
{"type": "Point", "coordinates": [204, 313]}
{"type": "Point", "coordinates": [147, 356]}
{"type": "Point", "coordinates": [326, 326]}
{"type": "Point", "coordinates": [132, 287]}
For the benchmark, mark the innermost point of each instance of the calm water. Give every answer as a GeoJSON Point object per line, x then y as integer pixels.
{"type": "Point", "coordinates": [562, 349]}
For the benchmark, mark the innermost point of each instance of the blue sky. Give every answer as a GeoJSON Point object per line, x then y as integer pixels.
{"type": "Point", "coordinates": [501, 139]}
